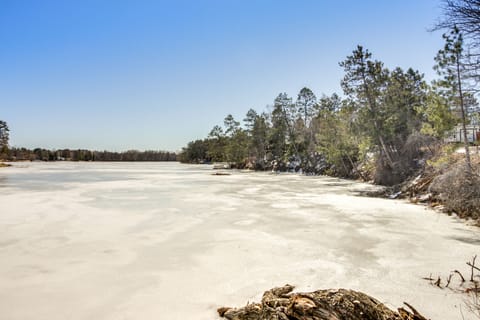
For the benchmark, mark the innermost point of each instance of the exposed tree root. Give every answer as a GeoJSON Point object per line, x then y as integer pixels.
{"type": "Point", "coordinates": [281, 304]}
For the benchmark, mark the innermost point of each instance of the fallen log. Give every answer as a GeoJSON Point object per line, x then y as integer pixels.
{"type": "Point", "coordinates": [281, 304]}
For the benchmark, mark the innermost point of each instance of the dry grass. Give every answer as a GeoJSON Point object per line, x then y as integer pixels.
{"type": "Point", "coordinates": [457, 190]}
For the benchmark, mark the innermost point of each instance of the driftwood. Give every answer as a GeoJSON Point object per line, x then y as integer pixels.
{"type": "Point", "coordinates": [221, 174]}
{"type": "Point", "coordinates": [281, 304]}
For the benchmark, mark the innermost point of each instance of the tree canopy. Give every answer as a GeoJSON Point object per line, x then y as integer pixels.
{"type": "Point", "coordinates": [4, 137]}
{"type": "Point", "coordinates": [385, 116]}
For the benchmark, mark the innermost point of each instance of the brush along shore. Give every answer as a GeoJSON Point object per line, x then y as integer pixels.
{"type": "Point", "coordinates": [283, 304]}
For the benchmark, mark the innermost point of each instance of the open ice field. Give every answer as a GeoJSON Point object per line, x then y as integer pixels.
{"type": "Point", "coordinates": [170, 241]}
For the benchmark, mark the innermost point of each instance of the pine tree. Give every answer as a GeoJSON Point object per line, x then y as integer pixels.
{"type": "Point", "coordinates": [364, 83]}
{"type": "Point", "coordinates": [450, 65]}
{"type": "Point", "coordinates": [4, 137]}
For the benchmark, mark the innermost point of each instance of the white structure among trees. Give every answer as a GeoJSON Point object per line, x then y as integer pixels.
{"type": "Point", "coordinates": [456, 135]}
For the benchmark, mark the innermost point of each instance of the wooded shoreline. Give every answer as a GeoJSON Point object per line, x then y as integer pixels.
{"type": "Point", "coordinates": [39, 154]}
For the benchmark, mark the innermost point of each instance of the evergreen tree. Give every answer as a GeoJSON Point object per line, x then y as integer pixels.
{"type": "Point", "coordinates": [231, 125]}
{"type": "Point", "coordinates": [450, 65]}
{"type": "Point", "coordinates": [364, 83]}
{"type": "Point", "coordinates": [336, 141]}
{"type": "Point", "coordinates": [216, 144]}
{"type": "Point", "coordinates": [4, 137]}
{"type": "Point", "coordinates": [405, 92]}
{"type": "Point", "coordinates": [286, 112]}
{"type": "Point", "coordinates": [250, 119]}
{"type": "Point", "coordinates": [305, 103]}
{"type": "Point", "coordinates": [259, 135]}
{"type": "Point", "coordinates": [437, 117]}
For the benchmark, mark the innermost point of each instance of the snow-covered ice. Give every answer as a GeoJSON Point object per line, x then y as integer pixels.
{"type": "Point", "coordinates": [170, 241]}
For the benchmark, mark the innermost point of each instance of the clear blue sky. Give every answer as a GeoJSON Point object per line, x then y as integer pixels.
{"type": "Point", "coordinates": [144, 74]}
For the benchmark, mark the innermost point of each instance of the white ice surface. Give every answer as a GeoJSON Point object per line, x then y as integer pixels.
{"type": "Point", "coordinates": [170, 241]}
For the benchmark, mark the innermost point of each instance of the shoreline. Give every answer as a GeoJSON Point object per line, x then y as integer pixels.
{"type": "Point", "coordinates": [403, 191]}
{"type": "Point", "coordinates": [416, 189]}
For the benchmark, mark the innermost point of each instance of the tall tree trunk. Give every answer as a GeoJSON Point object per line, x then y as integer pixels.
{"type": "Point", "coordinates": [464, 121]}
{"type": "Point", "coordinates": [290, 131]}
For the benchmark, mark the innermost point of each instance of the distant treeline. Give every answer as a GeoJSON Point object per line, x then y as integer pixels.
{"type": "Point", "coordinates": [20, 154]}
{"type": "Point", "coordinates": [39, 154]}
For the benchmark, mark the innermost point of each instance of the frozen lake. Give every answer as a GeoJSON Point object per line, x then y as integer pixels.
{"type": "Point", "coordinates": [170, 241]}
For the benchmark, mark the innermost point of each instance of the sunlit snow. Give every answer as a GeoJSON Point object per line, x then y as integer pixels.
{"type": "Point", "coordinates": [170, 241]}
